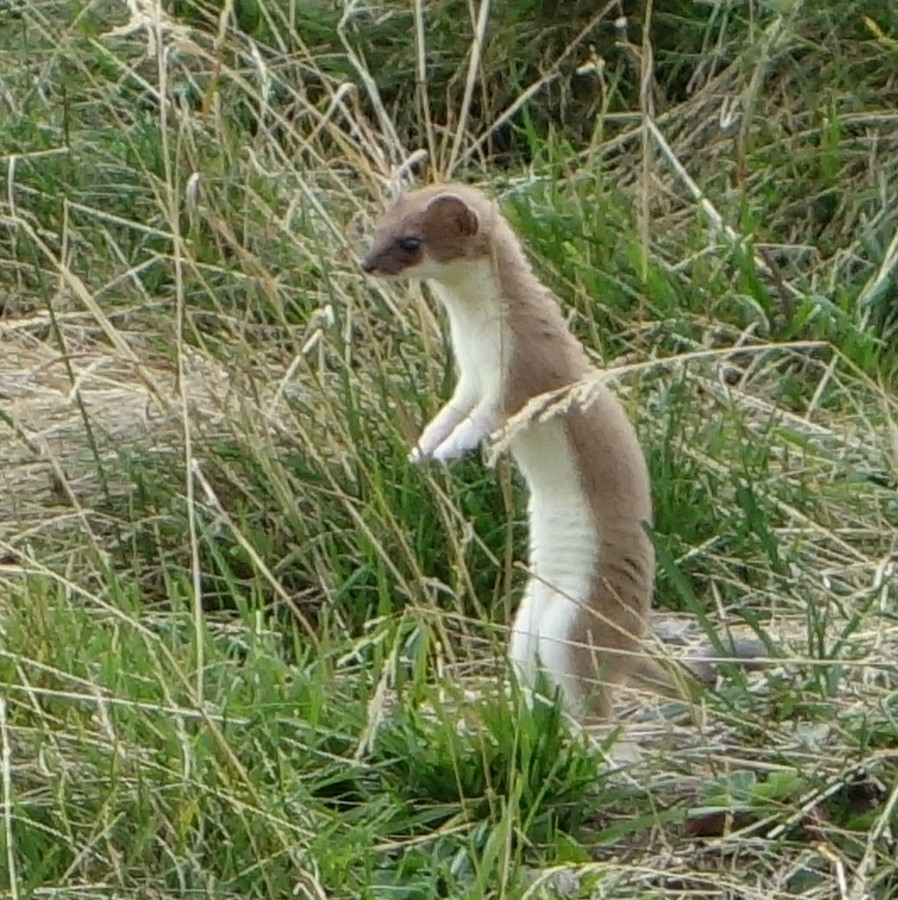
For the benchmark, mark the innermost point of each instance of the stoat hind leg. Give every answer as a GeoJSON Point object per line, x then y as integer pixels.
{"type": "Point", "coordinates": [645, 673]}
{"type": "Point", "coordinates": [611, 655]}
{"type": "Point", "coordinates": [541, 641]}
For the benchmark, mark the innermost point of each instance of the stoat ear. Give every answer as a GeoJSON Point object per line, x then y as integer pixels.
{"type": "Point", "coordinates": [451, 208]}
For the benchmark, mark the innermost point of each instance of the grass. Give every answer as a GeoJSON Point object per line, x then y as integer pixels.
{"type": "Point", "coordinates": [247, 650]}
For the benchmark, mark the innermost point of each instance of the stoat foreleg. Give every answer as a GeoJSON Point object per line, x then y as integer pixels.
{"type": "Point", "coordinates": [465, 421]}
{"type": "Point", "coordinates": [469, 433]}
{"type": "Point", "coordinates": [461, 404]}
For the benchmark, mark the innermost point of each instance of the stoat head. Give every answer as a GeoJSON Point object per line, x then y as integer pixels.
{"type": "Point", "coordinates": [427, 233]}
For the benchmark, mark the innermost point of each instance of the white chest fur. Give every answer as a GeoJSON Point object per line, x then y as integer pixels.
{"type": "Point", "coordinates": [473, 306]}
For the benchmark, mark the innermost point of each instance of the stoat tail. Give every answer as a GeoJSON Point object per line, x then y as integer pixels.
{"type": "Point", "coordinates": [747, 653]}
{"type": "Point", "coordinates": [670, 678]}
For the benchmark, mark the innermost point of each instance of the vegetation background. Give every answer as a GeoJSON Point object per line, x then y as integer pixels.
{"type": "Point", "coordinates": [247, 651]}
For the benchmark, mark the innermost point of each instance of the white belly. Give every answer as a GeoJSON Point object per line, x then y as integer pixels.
{"type": "Point", "coordinates": [563, 551]}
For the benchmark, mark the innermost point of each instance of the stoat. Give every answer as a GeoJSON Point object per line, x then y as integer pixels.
{"type": "Point", "coordinates": [585, 609]}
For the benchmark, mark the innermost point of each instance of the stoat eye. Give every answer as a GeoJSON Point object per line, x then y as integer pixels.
{"type": "Point", "coordinates": [409, 244]}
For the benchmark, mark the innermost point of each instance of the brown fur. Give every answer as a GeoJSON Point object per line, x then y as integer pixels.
{"type": "Point", "coordinates": [454, 224]}
{"type": "Point", "coordinates": [545, 357]}
{"type": "Point", "coordinates": [449, 229]}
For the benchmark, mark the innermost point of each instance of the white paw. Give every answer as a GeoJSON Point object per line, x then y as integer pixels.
{"type": "Point", "coordinates": [452, 449]}
{"type": "Point", "coordinates": [467, 436]}
{"type": "Point", "coordinates": [446, 454]}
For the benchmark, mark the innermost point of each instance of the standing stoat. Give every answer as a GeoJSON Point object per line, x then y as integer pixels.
{"type": "Point", "coordinates": [586, 605]}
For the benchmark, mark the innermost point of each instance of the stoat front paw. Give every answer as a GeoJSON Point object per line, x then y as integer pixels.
{"type": "Point", "coordinates": [464, 438]}
{"type": "Point", "coordinates": [416, 455]}
{"type": "Point", "coordinates": [448, 450]}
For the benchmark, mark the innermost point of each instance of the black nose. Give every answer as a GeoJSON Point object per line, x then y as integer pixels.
{"type": "Point", "coordinates": [367, 266]}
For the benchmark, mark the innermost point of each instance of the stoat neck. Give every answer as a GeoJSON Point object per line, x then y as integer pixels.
{"type": "Point", "coordinates": [468, 284]}
{"type": "Point", "coordinates": [504, 276]}
{"type": "Point", "coordinates": [512, 269]}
